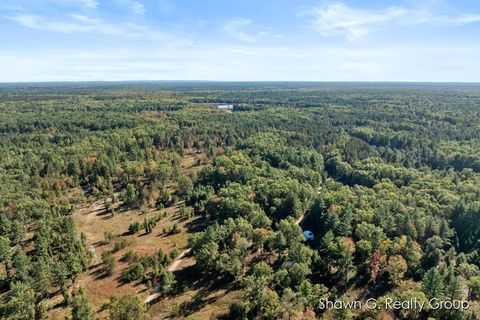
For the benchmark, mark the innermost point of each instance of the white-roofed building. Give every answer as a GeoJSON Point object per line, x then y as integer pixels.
{"type": "Point", "coordinates": [225, 106]}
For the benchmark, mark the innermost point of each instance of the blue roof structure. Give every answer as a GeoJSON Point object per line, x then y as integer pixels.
{"type": "Point", "coordinates": [308, 235]}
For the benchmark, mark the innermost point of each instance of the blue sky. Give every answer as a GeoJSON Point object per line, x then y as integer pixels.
{"type": "Point", "coordinates": [244, 40]}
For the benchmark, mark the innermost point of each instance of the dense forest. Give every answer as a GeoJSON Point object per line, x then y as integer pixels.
{"type": "Point", "coordinates": [385, 176]}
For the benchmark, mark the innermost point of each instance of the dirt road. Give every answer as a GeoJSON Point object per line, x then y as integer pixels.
{"type": "Point", "coordinates": [171, 268]}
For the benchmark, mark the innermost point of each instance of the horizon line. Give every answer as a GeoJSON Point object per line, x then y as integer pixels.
{"type": "Point", "coordinates": [237, 81]}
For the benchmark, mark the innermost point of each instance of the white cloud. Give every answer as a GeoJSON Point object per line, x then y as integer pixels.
{"type": "Point", "coordinates": [79, 23]}
{"type": "Point", "coordinates": [244, 30]}
{"type": "Point", "coordinates": [72, 23]}
{"type": "Point", "coordinates": [234, 29]}
{"type": "Point", "coordinates": [138, 8]}
{"type": "Point", "coordinates": [201, 23]}
{"type": "Point", "coordinates": [133, 6]}
{"type": "Point", "coordinates": [466, 19]}
{"type": "Point", "coordinates": [338, 18]}
{"type": "Point", "coordinates": [90, 3]}
{"type": "Point", "coordinates": [247, 62]}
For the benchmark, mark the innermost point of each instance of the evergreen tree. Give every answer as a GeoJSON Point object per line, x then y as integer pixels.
{"type": "Point", "coordinates": [81, 308]}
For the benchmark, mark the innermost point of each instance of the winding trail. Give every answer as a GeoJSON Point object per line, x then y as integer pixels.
{"type": "Point", "coordinates": [179, 259]}
{"type": "Point", "coordinates": [172, 267]}
{"type": "Point", "coordinates": [299, 219]}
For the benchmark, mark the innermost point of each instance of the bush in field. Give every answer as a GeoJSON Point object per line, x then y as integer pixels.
{"type": "Point", "coordinates": [134, 272]}
{"type": "Point", "coordinates": [109, 262]}
{"type": "Point", "coordinates": [134, 227]}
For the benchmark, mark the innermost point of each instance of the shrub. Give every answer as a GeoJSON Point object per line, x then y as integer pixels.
{"type": "Point", "coordinates": [109, 262]}
{"type": "Point", "coordinates": [175, 229]}
{"type": "Point", "coordinates": [119, 245]}
{"type": "Point", "coordinates": [134, 227]}
{"type": "Point", "coordinates": [130, 256]}
{"type": "Point", "coordinates": [175, 253]}
{"type": "Point", "coordinates": [134, 272]}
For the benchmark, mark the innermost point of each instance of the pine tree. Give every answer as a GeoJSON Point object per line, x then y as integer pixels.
{"type": "Point", "coordinates": [127, 308]}
{"type": "Point", "coordinates": [433, 283]}
{"type": "Point", "coordinates": [81, 307]}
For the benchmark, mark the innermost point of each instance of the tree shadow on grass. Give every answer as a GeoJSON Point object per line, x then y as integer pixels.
{"type": "Point", "coordinates": [205, 285]}
{"type": "Point", "coordinates": [205, 296]}
{"type": "Point", "coordinates": [196, 225]}
{"type": "Point", "coordinates": [99, 273]}
{"type": "Point", "coordinates": [101, 212]}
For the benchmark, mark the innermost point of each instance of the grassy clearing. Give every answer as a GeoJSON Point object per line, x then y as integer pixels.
{"type": "Point", "coordinates": [103, 232]}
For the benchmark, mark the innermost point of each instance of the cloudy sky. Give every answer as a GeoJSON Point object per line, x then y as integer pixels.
{"type": "Point", "coordinates": [363, 40]}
